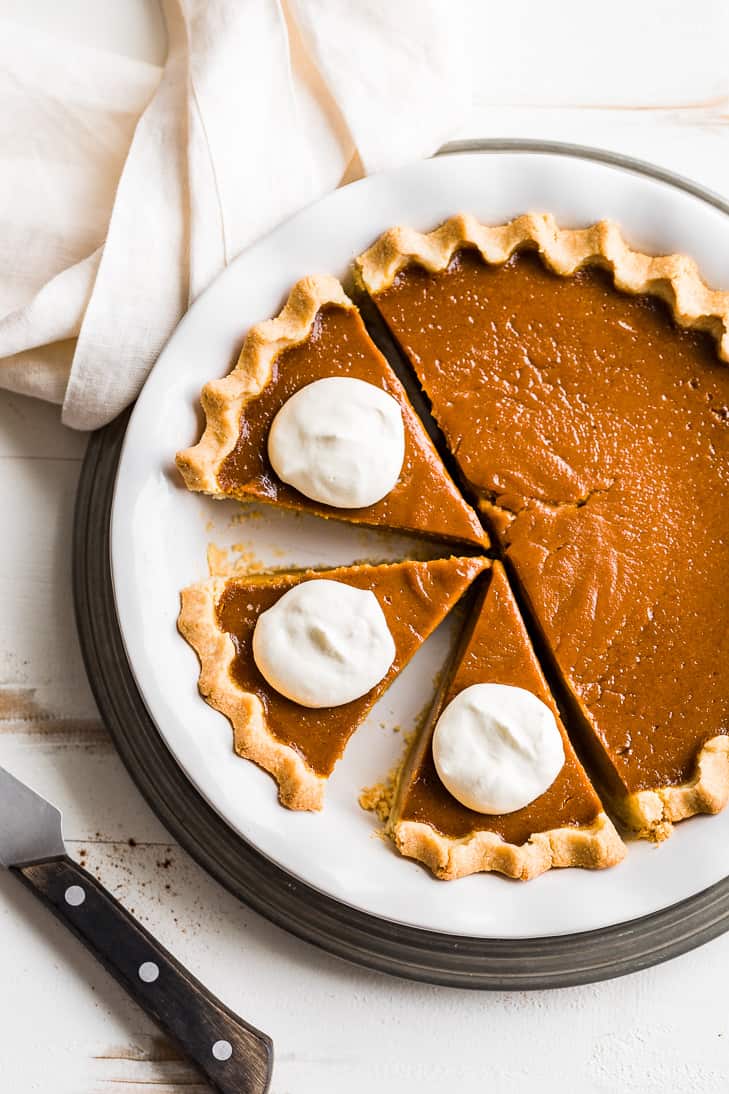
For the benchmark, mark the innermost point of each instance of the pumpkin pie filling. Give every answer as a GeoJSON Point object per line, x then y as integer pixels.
{"type": "Point", "coordinates": [594, 432]}
{"type": "Point", "coordinates": [300, 745]}
{"type": "Point", "coordinates": [335, 343]}
{"type": "Point", "coordinates": [495, 648]}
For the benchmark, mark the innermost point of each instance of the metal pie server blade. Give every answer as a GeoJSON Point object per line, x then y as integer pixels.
{"type": "Point", "coordinates": [30, 827]}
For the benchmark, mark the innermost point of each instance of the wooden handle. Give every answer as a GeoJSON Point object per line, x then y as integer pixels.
{"type": "Point", "coordinates": [233, 1056]}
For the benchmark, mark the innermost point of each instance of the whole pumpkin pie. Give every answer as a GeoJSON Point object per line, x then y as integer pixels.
{"type": "Point", "coordinates": [298, 745]}
{"type": "Point", "coordinates": [319, 334]}
{"type": "Point", "coordinates": [583, 389]}
{"type": "Point", "coordinates": [565, 826]}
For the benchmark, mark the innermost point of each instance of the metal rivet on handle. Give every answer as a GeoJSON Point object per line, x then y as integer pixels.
{"type": "Point", "coordinates": [222, 1050]}
{"type": "Point", "coordinates": [75, 895]}
{"type": "Point", "coordinates": [148, 972]}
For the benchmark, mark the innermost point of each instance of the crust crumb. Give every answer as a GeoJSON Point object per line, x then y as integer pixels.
{"type": "Point", "coordinates": [218, 562]}
{"type": "Point", "coordinates": [249, 510]}
{"type": "Point", "coordinates": [233, 561]}
{"type": "Point", "coordinates": [379, 798]}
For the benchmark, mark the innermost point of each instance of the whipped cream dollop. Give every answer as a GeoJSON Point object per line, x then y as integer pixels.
{"type": "Point", "coordinates": [339, 441]}
{"type": "Point", "coordinates": [323, 643]}
{"type": "Point", "coordinates": [496, 748]}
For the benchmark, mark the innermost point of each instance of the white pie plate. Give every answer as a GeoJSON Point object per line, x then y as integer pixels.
{"type": "Point", "coordinates": [160, 532]}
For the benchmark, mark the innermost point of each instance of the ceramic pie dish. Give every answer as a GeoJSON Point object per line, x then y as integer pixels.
{"type": "Point", "coordinates": [160, 532]}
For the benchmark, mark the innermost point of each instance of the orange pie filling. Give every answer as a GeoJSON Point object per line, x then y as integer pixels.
{"type": "Point", "coordinates": [594, 433]}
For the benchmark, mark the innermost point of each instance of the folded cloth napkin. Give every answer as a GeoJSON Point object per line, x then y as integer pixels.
{"type": "Point", "coordinates": [124, 191]}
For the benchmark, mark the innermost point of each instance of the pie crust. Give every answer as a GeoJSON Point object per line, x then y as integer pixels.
{"type": "Point", "coordinates": [299, 786]}
{"type": "Point", "coordinates": [650, 814]}
{"type": "Point", "coordinates": [595, 847]}
{"type": "Point", "coordinates": [223, 400]}
{"type": "Point", "coordinates": [675, 279]}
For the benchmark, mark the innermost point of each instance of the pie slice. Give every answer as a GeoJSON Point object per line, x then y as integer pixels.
{"type": "Point", "coordinates": [566, 826]}
{"type": "Point", "coordinates": [297, 745]}
{"type": "Point", "coordinates": [318, 334]}
{"type": "Point", "coordinates": [577, 383]}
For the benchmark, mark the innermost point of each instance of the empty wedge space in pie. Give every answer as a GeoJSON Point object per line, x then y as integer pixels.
{"type": "Point", "coordinates": [582, 399]}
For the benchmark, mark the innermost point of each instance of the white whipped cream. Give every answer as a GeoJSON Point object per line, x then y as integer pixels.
{"type": "Point", "coordinates": [339, 441]}
{"type": "Point", "coordinates": [496, 748]}
{"type": "Point", "coordinates": [323, 643]}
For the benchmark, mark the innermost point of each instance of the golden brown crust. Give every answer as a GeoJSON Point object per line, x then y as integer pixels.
{"type": "Point", "coordinates": [223, 400]}
{"type": "Point", "coordinates": [594, 847]}
{"type": "Point", "coordinates": [299, 787]}
{"type": "Point", "coordinates": [651, 814]}
{"type": "Point", "coordinates": [674, 278]}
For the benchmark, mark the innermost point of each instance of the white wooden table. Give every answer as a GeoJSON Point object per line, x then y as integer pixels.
{"type": "Point", "coordinates": [650, 79]}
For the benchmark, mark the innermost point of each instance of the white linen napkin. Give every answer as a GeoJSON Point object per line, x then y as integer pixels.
{"type": "Point", "coordinates": [123, 192]}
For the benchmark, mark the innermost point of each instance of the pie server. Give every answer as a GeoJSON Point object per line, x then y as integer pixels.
{"type": "Point", "coordinates": [233, 1056]}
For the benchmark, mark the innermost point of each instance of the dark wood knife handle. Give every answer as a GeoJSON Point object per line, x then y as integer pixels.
{"type": "Point", "coordinates": [236, 1058]}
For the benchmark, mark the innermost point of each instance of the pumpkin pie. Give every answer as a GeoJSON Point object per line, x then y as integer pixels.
{"type": "Point", "coordinates": [319, 333]}
{"type": "Point", "coordinates": [583, 390]}
{"type": "Point", "coordinates": [566, 826]}
{"type": "Point", "coordinates": [298, 745]}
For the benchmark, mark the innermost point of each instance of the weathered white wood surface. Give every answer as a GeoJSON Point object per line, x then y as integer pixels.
{"type": "Point", "coordinates": [650, 79]}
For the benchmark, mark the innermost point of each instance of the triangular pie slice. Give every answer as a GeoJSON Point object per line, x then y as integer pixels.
{"type": "Point", "coordinates": [566, 826]}
{"type": "Point", "coordinates": [297, 745]}
{"type": "Point", "coordinates": [319, 333]}
{"type": "Point", "coordinates": [583, 389]}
